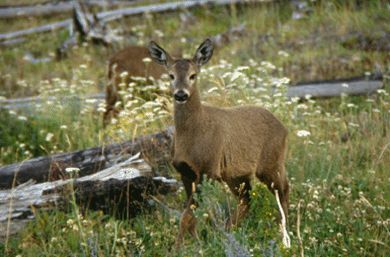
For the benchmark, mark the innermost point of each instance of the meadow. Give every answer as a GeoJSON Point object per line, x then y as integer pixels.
{"type": "Point", "coordinates": [338, 158]}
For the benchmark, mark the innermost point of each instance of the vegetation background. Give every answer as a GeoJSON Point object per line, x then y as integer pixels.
{"type": "Point", "coordinates": [339, 149]}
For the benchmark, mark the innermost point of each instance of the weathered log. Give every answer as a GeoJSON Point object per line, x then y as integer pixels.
{"type": "Point", "coordinates": [31, 103]}
{"type": "Point", "coordinates": [38, 29]}
{"type": "Point", "coordinates": [53, 8]}
{"type": "Point", "coordinates": [117, 14]}
{"type": "Point", "coordinates": [359, 86]}
{"type": "Point", "coordinates": [12, 41]}
{"type": "Point", "coordinates": [122, 190]}
{"type": "Point", "coordinates": [155, 147]}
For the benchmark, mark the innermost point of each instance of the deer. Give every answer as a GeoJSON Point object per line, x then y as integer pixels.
{"type": "Point", "coordinates": [131, 60]}
{"type": "Point", "coordinates": [232, 144]}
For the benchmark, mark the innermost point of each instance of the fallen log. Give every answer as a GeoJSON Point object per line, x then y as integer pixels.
{"type": "Point", "coordinates": [352, 87]}
{"type": "Point", "coordinates": [122, 190]}
{"type": "Point", "coordinates": [117, 14]}
{"type": "Point", "coordinates": [31, 103]}
{"type": "Point", "coordinates": [155, 148]}
{"type": "Point", "coordinates": [53, 8]}
{"type": "Point", "coordinates": [42, 28]}
{"type": "Point", "coordinates": [12, 41]}
{"type": "Point", "coordinates": [320, 89]}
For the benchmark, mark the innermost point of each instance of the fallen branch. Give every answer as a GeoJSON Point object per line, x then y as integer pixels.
{"type": "Point", "coordinates": [53, 8]}
{"type": "Point", "coordinates": [155, 147]}
{"type": "Point", "coordinates": [86, 27]}
{"type": "Point", "coordinates": [286, 238]}
{"type": "Point", "coordinates": [300, 242]}
{"type": "Point", "coordinates": [127, 184]}
{"type": "Point", "coordinates": [337, 88]}
{"type": "Point", "coordinates": [117, 14]}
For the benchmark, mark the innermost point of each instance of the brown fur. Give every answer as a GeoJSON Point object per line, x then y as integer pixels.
{"type": "Point", "coordinates": [128, 59]}
{"type": "Point", "coordinates": [226, 144]}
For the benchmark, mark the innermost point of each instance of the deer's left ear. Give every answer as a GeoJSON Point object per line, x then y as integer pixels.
{"type": "Point", "coordinates": [204, 52]}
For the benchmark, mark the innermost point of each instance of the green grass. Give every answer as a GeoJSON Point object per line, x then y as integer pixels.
{"type": "Point", "coordinates": [338, 173]}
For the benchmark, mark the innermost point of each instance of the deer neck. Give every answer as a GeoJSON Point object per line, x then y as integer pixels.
{"type": "Point", "coordinates": [189, 114]}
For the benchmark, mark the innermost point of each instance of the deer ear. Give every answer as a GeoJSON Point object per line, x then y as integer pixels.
{"type": "Point", "coordinates": [158, 54]}
{"type": "Point", "coordinates": [204, 52]}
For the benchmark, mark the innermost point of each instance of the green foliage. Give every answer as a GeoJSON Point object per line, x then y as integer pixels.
{"type": "Point", "coordinates": [338, 157]}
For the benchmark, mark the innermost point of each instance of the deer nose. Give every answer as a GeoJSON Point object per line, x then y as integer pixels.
{"type": "Point", "coordinates": [181, 96]}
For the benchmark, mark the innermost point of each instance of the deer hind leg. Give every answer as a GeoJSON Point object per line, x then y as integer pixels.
{"type": "Point", "coordinates": [187, 220]}
{"type": "Point", "coordinates": [240, 187]}
{"type": "Point", "coordinates": [276, 179]}
{"type": "Point", "coordinates": [111, 99]}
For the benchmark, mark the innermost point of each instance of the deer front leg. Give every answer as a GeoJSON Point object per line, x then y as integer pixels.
{"type": "Point", "coordinates": [187, 220]}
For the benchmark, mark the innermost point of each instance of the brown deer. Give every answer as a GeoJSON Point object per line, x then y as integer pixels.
{"type": "Point", "coordinates": [130, 60]}
{"type": "Point", "coordinates": [225, 144]}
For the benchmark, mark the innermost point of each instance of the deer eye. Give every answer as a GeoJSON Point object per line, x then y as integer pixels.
{"type": "Point", "coordinates": [172, 76]}
{"type": "Point", "coordinates": [193, 76]}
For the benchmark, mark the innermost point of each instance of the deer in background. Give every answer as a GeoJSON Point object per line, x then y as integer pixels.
{"type": "Point", "coordinates": [130, 60]}
{"type": "Point", "coordinates": [226, 144]}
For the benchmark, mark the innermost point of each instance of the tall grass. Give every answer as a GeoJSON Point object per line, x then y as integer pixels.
{"type": "Point", "coordinates": [339, 149]}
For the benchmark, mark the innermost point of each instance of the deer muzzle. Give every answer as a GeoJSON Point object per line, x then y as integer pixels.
{"type": "Point", "coordinates": [181, 96]}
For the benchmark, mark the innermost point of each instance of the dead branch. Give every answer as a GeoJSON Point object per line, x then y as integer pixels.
{"type": "Point", "coordinates": [117, 14]}
{"type": "Point", "coordinates": [333, 89]}
{"type": "Point", "coordinates": [51, 8]}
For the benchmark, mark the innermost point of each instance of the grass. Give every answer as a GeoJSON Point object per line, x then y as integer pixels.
{"type": "Point", "coordinates": [338, 157]}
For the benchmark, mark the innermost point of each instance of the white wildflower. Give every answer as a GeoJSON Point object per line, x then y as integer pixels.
{"type": "Point", "coordinates": [353, 124]}
{"type": "Point", "coordinates": [283, 53]}
{"type": "Point", "coordinates": [147, 60]}
{"type": "Point", "coordinates": [240, 68]}
{"type": "Point", "coordinates": [124, 74]}
{"type": "Point", "coordinates": [49, 137]}
{"type": "Point", "coordinates": [235, 75]}
{"type": "Point", "coordinates": [212, 89]}
{"type": "Point", "coordinates": [303, 133]}
{"type": "Point", "coordinates": [91, 101]}
{"type": "Point", "coordinates": [72, 170]}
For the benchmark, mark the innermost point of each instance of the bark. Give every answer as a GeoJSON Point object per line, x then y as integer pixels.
{"type": "Point", "coordinates": [155, 148]}
{"type": "Point", "coordinates": [335, 88]}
